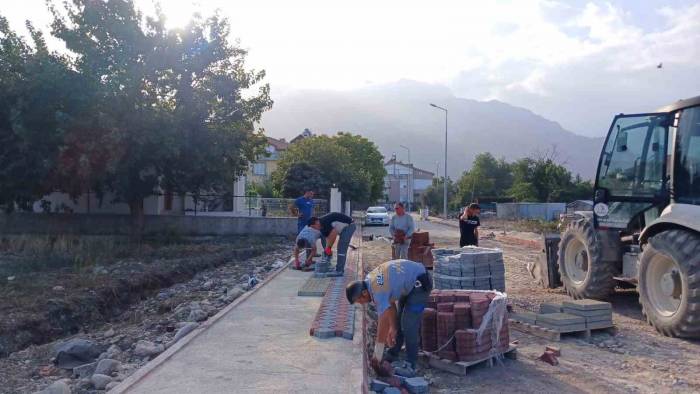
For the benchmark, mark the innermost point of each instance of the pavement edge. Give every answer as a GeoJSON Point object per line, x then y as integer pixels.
{"type": "Point", "coordinates": [152, 365]}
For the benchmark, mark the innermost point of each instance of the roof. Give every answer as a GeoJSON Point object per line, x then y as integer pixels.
{"type": "Point", "coordinates": [279, 145]}
{"type": "Point", "coordinates": [416, 170]}
{"type": "Point", "coordinates": [304, 134]}
{"type": "Point", "coordinates": [680, 104]}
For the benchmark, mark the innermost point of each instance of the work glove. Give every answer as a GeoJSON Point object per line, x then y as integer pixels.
{"type": "Point", "coordinates": [328, 251]}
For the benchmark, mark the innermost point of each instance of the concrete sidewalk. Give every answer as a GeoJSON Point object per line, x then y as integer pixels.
{"type": "Point", "coordinates": [263, 346]}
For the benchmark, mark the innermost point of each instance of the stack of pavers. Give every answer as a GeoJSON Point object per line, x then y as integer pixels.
{"type": "Point", "coordinates": [597, 314]}
{"type": "Point", "coordinates": [471, 268]}
{"type": "Point", "coordinates": [451, 324]}
{"type": "Point", "coordinates": [420, 247]}
{"type": "Point", "coordinates": [561, 322]}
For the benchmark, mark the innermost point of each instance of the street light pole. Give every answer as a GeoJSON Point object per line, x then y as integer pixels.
{"type": "Point", "coordinates": [409, 192]}
{"type": "Point", "coordinates": [444, 180]}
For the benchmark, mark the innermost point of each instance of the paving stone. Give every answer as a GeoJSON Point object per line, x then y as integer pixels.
{"type": "Point", "coordinates": [563, 328]}
{"type": "Point", "coordinates": [417, 385]}
{"type": "Point", "coordinates": [378, 386]}
{"type": "Point", "coordinates": [587, 305]}
{"type": "Point", "coordinates": [525, 317]}
{"type": "Point", "coordinates": [589, 313]}
{"type": "Point", "coordinates": [599, 325]}
{"type": "Point", "coordinates": [560, 319]}
{"type": "Point", "coordinates": [391, 390]}
{"type": "Point", "coordinates": [551, 307]}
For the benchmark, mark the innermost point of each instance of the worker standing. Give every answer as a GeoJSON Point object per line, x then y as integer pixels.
{"type": "Point", "coordinates": [401, 229]}
{"type": "Point", "coordinates": [399, 290]}
{"type": "Point", "coordinates": [469, 226]}
{"type": "Point", "coordinates": [305, 208]}
{"type": "Point", "coordinates": [336, 225]}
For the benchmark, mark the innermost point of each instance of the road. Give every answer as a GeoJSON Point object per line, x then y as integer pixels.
{"type": "Point", "coordinates": [636, 359]}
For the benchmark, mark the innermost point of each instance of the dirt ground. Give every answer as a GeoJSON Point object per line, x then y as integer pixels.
{"type": "Point", "coordinates": [636, 359]}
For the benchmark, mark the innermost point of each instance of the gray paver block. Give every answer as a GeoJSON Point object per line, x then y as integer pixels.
{"type": "Point", "coordinates": [551, 307]}
{"type": "Point", "coordinates": [378, 386]}
{"type": "Point", "coordinates": [417, 385]}
{"type": "Point", "coordinates": [587, 305]}
{"type": "Point", "coordinates": [324, 333]}
{"type": "Point", "coordinates": [391, 390]}
{"type": "Point", "coordinates": [598, 325]}
{"type": "Point", "coordinates": [563, 327]}
{"type": "Point", "coordinates": [599, 313]}
{"type": "Point", "coordinates": [560, 319]}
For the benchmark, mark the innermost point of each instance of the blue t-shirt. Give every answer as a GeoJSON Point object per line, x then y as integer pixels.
{"type": "Point", "coordinates": [305, 206]}
{"type": "Point", "coordinates": [392, 280]}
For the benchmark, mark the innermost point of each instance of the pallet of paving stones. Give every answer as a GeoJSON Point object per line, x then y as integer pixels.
{"type": "Point", "coordinates": [461, 368]}
{"type": "Point", "coordinates": [472, 268]}
{"type": "Point", "coordinates": [580, 317]}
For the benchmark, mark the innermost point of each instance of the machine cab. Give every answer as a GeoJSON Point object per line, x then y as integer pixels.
{"type": "Point", "coordinates": [647, 162]}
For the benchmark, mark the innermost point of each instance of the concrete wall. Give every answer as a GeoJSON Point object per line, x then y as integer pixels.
{"type": "Point", "coordinates": [527, 210]}
{"type": "Point", "coordinates": [104, 224]}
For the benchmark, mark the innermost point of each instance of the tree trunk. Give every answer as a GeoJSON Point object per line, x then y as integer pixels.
{"type": "Point", "coordinates": [136, 210]}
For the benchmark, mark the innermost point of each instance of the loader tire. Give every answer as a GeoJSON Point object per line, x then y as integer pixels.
{"type": "Point", "coordinates": [669, 283]}
{"type": "Point", "coordinates": [581, 266]}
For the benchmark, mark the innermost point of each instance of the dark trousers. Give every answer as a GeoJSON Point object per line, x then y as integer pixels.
{"type": "Point", "coordinates": [344, 239]}
{"type": "Point", "coordinates": [408, 322]}
{"type": "Point", "coordinates": [301, 223]}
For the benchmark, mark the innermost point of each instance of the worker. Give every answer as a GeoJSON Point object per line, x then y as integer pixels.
{"type": "Point", "coordinates": [401, 230]}
{"type": "Point", "coordinates": [469, 226]}
{"type": "Point", "coordinates": [305, 208]}
{"type": "Point", "coordinates": [306, 242]}
{"type": "Point", "coordinates": [336, 225]}
{"type": "Point", "coordinates": [399, 290]}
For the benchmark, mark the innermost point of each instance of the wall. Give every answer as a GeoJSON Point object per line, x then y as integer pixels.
{"type": "Point", "coordinates": [106, 224]}
{"type": "Point", "coordinates": [527, 210]}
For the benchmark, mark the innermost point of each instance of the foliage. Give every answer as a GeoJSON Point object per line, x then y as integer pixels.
{"type": "Point", "coordinates": [264, 189]}
{"type": "Point", "coordinates": [37, 96]}
{"type": "Point", "coordinates": [433, 198]}
{"type": "Point", "coordinates": [366, 158]}
{"type": "Point", "coordinates": [133, 108]}
{"type": "Point", "coordinates": [488, 177]}
{"type": "Point", "coordinates": [351, 163]}
{"type": "Point", "coordinates": [168, 102]}
{"type": "Point", "coordinates": [536, 179]}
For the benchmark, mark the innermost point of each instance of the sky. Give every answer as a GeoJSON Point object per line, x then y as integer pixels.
{"type": "Point", "coordinates": [574, 62]}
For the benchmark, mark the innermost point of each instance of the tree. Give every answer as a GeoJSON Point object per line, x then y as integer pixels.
{"type": "Point", "coordinates": [168, 102]}
{"type": "Point", "coordinates": [488, 177]}
{"type": "Point", "coordinates": [320, 162]}
{"type": "Point", "coordinates": [433, 197]}
{"type": "Point", "coordinates": [541, 179]}
{"type": "Point", "coordinates": [366, 158]}
{"type": "Point", "coordinates": [38, 94]}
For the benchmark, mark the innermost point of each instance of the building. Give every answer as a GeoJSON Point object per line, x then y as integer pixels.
{"type": "Point", "coordinates": [404, 182]}
{"type": "Point", "coordinates": [304, 134]}
{"type": "Point", "coordinates": [262, 169]}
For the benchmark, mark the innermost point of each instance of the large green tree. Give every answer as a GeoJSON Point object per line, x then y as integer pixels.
{"type": "Point", "coordinates": [433, 198]}
{"type": "Point", "coordinates": [488, 178]}
{"type": "Point", "coordinates": [169, 103]}
{"type": "Point", "coordinates": [39, 93]}
{"type": "Point", "coordinates": [543, 180]}
{"type": "Point", "coordinates": [347, 161]}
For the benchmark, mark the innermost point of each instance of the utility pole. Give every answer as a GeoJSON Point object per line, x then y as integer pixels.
{"type": "Point", "coordinates": [409, 181]}
{"type": "Point", "coordinates": [444, 184]}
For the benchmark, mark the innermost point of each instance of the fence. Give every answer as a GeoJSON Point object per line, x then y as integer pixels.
{"type": "Point", "coordinates": [253, 206]}
{"type": "Point", "coordinates": [525, 210]}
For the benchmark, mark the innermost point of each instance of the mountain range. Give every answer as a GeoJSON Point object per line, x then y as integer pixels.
{"type": "Point", "coordinates": [399, 113]}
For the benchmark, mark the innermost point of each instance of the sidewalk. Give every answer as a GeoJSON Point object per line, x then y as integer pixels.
{"type": "Point", "coordinates": [262, 345]}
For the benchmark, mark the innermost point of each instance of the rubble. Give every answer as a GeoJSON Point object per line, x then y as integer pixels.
{"type": "Point", "coordinates": [120, 348]}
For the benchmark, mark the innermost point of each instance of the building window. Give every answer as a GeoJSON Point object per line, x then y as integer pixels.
{"type": "Point", "coordinates": [259, 169]}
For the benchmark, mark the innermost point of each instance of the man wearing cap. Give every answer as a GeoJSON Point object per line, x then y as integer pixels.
{"type": "Point", "coordinates": [399, 290]}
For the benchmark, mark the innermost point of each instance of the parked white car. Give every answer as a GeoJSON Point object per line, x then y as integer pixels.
{"type": "Point", "coordinates": [377, 215]}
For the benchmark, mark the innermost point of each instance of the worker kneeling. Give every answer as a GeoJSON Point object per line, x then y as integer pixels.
{"type": "Point", "coordinates": [399, 290]}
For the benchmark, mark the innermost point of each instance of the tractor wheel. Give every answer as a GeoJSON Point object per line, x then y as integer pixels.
{"type": "Point", "coordinates": [669, 283]}
{"type": "Point", "coordinates": [581, 266]}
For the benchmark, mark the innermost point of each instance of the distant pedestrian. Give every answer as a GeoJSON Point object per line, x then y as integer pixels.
{"type": "Point", "coordinates": [336, 225]}
{"type": "Point", "coordinates": [469, 225]}
{"type": "Point", "coordinates": [401, 229]}
{"type": "Point", "coordinates": [305, 208]}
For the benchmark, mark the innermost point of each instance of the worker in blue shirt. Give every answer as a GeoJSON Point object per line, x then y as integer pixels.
{"type": "Point", "coordinates": [305, 209]}
{"type": "Point", "coordinates": [399, 290]}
